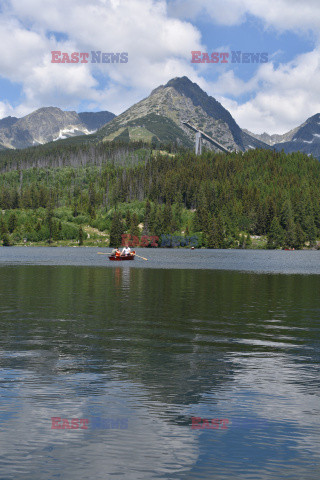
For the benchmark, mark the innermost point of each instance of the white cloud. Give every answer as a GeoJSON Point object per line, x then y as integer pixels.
{"type": "Point", "coordinates": [282, 15]}
{"type": "Point", "coordinates": [158, 46]}
{"type": "Point", "coordinates": [22, 49]}
{"type": "Point", "coordinates": [281, 97]}
{"type": "Point", "coordinates": [228, 83]}
{"type": "Point", "coordinates": [231, 12]}
{"type": "Point", "coordinates": [6, 110]}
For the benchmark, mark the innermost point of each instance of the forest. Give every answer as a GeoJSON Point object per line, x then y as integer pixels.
{"type": "Point", "coordinates": [57, 193]}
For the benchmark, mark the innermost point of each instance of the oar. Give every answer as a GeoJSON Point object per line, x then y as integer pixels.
{"type": "Point", "coordinates": [141, 257]}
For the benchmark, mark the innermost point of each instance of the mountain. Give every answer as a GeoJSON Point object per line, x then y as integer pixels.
{"type": "Point", "coordinates": [48, 124]}
{"type": "Point", "coordinates": [305, 138]}
{"type": "Point", "coordinates": [95, 120]}
{"type": "Point", "coordinates": [273, 139]}
{"type": "Point", "coordinates": [159, 117]}
{"type": "Point", "coordinates": [8, 122]}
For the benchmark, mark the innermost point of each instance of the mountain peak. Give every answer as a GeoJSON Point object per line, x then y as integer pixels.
{"type": "Point", "coordinates": [177, 81]}
{"type": "Point", "coordinates": [47, 124]}
{"type": "Point", "coordinates": [160, 117]}
{"type": "Point", "coordinates": [182, 85]}
{"type": "Point", "coordinates": [47, 110]}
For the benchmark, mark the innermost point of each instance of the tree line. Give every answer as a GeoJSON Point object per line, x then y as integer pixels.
{"type": "Point", "coordinates": [225, 199]}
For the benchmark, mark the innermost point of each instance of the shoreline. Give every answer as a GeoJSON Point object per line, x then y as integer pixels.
{"type": "Point", "coordinates": [146, 249]}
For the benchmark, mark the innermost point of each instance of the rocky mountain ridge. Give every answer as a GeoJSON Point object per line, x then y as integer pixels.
{"type": "Point", "coordinates": [48, 124]}
{"type": "Point", "coordinates": [160, 117]}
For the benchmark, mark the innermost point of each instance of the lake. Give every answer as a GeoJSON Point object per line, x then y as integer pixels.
{"type": "Point", "coordinates": [109, 370]}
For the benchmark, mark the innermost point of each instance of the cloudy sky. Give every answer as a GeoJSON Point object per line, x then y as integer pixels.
{"type": "Point", "coordinates": [158, 36]}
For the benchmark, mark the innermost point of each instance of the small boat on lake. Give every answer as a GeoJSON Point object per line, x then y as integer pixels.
{"type": "Point", "coordinates": [119, 258]}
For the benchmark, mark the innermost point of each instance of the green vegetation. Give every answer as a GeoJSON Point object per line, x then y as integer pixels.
{"type": "Point", "coordinates": [93, 194]}
{"type": "Point", "coordinates": [160, 128]}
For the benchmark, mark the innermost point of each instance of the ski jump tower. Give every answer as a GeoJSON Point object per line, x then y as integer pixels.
{"type": "Point", "coordinates": [201, 135]}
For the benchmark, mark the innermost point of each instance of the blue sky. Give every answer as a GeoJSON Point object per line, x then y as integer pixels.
{"type": "Point", "coordinates": [159, 36]}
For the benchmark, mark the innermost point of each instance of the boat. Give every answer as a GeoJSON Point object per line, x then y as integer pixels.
{"type": "Point", "coordinates": [118, 258]}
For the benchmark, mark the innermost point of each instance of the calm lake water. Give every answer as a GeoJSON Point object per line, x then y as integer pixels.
{"type": "Point", "coordinates": [137, 349]}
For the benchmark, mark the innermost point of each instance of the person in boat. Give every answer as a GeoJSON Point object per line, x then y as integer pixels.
{"type": "Point", "coordinates": [115, 252]}
{"type": "Point", "coordinates": [126, 250]}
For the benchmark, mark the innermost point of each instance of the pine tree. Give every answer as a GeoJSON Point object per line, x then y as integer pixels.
{"type": "Point", "coordinates": [201, 220]}
{"type": "Point", "coordinates": [177, 216]}
{"type": "Point", "coordinates": [5, 240]}
{"type": "Point", "coordinates": [299, 237]}
{"type": "Point", "coordinates": [270, 214]}
{"type": "Point", "coordinates": [116, 230]}
{"type": "Point", "coordinates": [167, 218]}
{"type": "Point", "coordinates": [275, 234]}
{"type": "Point", "coordinates": [311, 231]}
{"type": "Point", "coordinates": [215, 236]}
{"type": "Point", "coordinates": [147, 218]}
{"type": "Point", "coordinates": [220, 230]}
{"type": "Point", "coordinates": [43, 197]}
{"type": "Point", "coordinates": [56, 230]}
{"type": "Point", "coordinates": [92, 195]}
{"type": "Point", "coordinates": [290, 233]}
{"type": "Point", "coordinates": [286, 216]}
{"type": "Point", "coordinates": [3, 226]}
{"type": "Point", "coordinates": [49, 220]}
{"type": "Point", "coordinates": [16, 200]}
{"type": "Point", "coordinates": [92, 201]}
{"type": "Point", "coordinates": [248, 242]}
{"type": "Point", "coordinates": [242, 241]}
{"type": "Point", "coordinates": [128, 220]}
{"type": "Point", "coordinates": [152, 220]}
{"type": "Point", "coordinates": [260, 228]}
{"type": "Point", "coordinates": [91, 211]}
{"type": "Point", "coordinates": [134, 228]}
{"type": "Point", "coordinates": [75, 210]}
{"type": "Point", "coordinates": [12, 222]}
{"type": "Point", "coordinates": [81, 235]}
{"type": "Point", "coordinates": [210, 237]}
{"type": "Point", "coordinates": [4, 233]}
{"type": "Point", "coordinates": [158, 222]}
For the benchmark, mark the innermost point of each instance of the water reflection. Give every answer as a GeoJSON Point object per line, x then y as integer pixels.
{"type": "Point", "coordinates": [158, 347]}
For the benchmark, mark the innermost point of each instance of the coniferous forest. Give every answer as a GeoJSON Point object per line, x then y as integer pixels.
{"type": "Point", "coordinates": [91, 194]}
